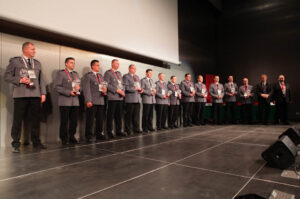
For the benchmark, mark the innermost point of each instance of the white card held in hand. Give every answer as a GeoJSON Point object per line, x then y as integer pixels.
{"type": "Point", "coordinates": [203, 91]}
{"type": "Point", "coordinates": [245, 94]}
{"type": "Point", "coordinates": [163, 92]}
{"type": "Point", "coordinates": [31, 74]}
{"type": "Point", "coordinates": [176, 94]}
{"type": "Point", "coordinates": [192, 89]}
{"type": "Point", "coordinates": [100, 87]}
{"type": "Point", "coordinates": [219, 92]}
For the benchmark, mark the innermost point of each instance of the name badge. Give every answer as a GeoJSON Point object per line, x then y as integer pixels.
{"type": "Point", "coordinates": [163, 92]}
{"type": "Point", "coordinates": [219, 92]}
{"type": "Point", "coordinates": [100, 87]}
{"type": "Point", "coordinates": [31, 74]}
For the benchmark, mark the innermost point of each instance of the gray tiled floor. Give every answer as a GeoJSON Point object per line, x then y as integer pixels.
{"type": "Point", "coordinates": [197, 162]}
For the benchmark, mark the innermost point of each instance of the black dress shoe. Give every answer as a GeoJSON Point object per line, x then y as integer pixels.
{"type": "Point", "coordinates": [100, 137]}
{"type": "Point", "coordinates": [16, 150]}
{"type": "Point", "coordinates": [190, 125]}
{"type": "Point", "coordinates": [202, 123]}
{"type": "Point", "coordinates": [73, 141]}
{"type": "Point", "coordinates": [165, 128]}
{"type": "Point", "coordinates": [286, 123]}
{"type": "Point", "coordinates": [39, 146]}
{"type": "Point", "coordinates": [121, 134]}
{"type": "Point", "coordinates": [175, 126]}
{"type": "Point", "coordinates": [26, 143]}
{"type": "Point", "coordinates": [158, 129]}
{"type": "Point", "coordinates": [152, 129]}
{"type": "Point", "coordinates": [64, 142]}
{"type": "Point", "coordinates": [88, 140]}
{"type": "Point", "coordinates": [138, 132]}
{"type": "Point", "coordinates": [111, 136]}
{"type": "Point", "coordinates": [145, 131]}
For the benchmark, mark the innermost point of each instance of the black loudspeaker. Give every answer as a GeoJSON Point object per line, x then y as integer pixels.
{"type": "Point", "coordinates": [293, 134]}
{"type": "Point", "coordinates": [249, 196]}
{"type": "Point", "coordinates": [281, 154]}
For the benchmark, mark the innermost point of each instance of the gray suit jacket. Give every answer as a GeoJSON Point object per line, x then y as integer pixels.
{"type": "Point", "coordinates": [159, 97]}
{"type": "Point", "coordinates": [12, 75]}
{"type": "Point", "coordinates": [63, 86]}
{"type": "Point", "coordinates": [198, 95]}
{"type": "Point", "coordinates": [213, 91]}
{"type": "Point", "coordinates": [243, 99]}
{"type": "Point", "coordinates": [173, 100]}
{"type": "Point", "coordinates": [227, 88]}
{"type": "Point", "coordinates": [90, 88]}
{"type": "Point", "coordinates": [132, 95]}
{"type": "Point", "coordinates": [147, 97]}
{"type": "Point", "coordinates": [185, 88]}
{"type": "Point", "coordinates": [110, 78]}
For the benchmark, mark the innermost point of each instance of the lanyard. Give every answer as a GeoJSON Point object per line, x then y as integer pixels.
{"type": "Point", "coordinates": [69, 75]}
{"type": "Point", "coordinates": [115, 74]}
{"type": "Point", "coordinates": [175, 88]}
{"type": "Point", "coordinates": [98, 78]}
{"type": "Point", "coordinates": [282, 86]}
{"type": "Point", "coordinates": [25, 63]}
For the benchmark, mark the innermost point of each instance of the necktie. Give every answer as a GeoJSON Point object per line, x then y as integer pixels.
{"type": "Point", "coordinates": [150, 83]}
{"type": "Point", "coordinates": [71, 75]}
{"type": "Point", "coordinates": [29, 64]}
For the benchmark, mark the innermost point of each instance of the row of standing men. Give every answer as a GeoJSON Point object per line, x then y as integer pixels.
{"type": "Point", "coordinates": [25, 73]}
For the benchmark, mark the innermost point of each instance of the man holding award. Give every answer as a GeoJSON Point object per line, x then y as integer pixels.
{"type": "Point", "coordinates": [67, 85]}
{"type": "Point", "coordinates": [133, 99]}
{"type": "Point", "coordinates": [148, 99]}
{"type": "Point", "coordinates": [25, 73]}
{"type": "Point", "coordinates": [174, 102]}
{"type": "Point", "coordinates": [115, 96]}
{"type": "Point", "coordinates": [162, 102]}
{"type": "Point", "coordinates": [188, 98]}
{"type": "Point", "coordinates": [216, 90]}
{"type": "Point", "coordinates": [94, 90]}
{"type": "Point", "coordinates": [200, 100]}
{"type": "Point", "coordinates": [246, 93]}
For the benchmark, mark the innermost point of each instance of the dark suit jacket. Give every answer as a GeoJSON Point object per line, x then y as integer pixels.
{"type": "Point", "coordinates": [278, 95]}
{"type": "Point", "coordinates": [260, 90]}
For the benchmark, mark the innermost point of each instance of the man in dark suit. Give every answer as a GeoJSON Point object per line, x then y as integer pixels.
{"type": "Point", "coordinates": [264, 93]}
{"type": "Point", "coordinates": [282, 97]}
{"type": "Point", "coordinates": [25, 73]}
{"type": "Point", "coordinates": [94, 92]}
{"type": "Point", "coordinates": [115, 97]}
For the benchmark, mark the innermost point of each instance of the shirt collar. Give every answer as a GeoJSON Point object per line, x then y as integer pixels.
{"type": "Point", "coordinates": [69, 70]}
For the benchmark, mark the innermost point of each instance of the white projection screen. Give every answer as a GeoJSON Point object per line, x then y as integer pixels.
{"type": "Point", "coordinates": [145, 27]}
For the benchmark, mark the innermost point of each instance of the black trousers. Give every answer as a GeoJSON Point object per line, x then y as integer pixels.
{"type": "Point", "coordinates": [263, 110]}
{"type": "Point", "coordinates": [173, 115]}
{"type": "Point", "coordinates": [98, 112]}
{"type": "Point", "coordinates": [217, 113]}
{"type": "Point", "coordinates": [246, 113]}
{"type": "Point", "coordinates": [21, 107]}
{"type": "Point", "coordinates": [230, 110]}
{"type": "Point", "coordinates": [147, 118]}
{"type": "Point", "coordinates": [199, 112]}
{"type": "Point", "coordinates": [281, 112]}
{"type": "Point", "coordinates": [68, 115]}
{"type": "Point", "coordinates": [132, 117]}
{"type": "Point", "coordinates": [161, 115]}
{"type": "Point", "coordinates": [187, 113]}
{"type": "Point", "coordinates": [114, 113]}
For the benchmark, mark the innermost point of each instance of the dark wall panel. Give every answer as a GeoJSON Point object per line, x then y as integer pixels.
{"type": "Point", "coordinates": [261, 36]}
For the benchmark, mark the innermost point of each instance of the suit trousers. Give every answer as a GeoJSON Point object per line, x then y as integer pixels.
{"type": "Point", "coordinates": [147, 118]}
{"type": "Point", "coordinates": [246, 113]}
{"type": "Point", "coordinates": [173, 115]}
{"type": "Point", "coordinates": [21, 107]}
{"type": "Point", "coordinates": [114, 113]}
{"type": "Point", "coordinates": [230, 110]}
{"type": "Point", "coordinates": [263, 111]}
{"type": "Point", "coordinates": [187, 113]}
{"type": "Point", "coordinates": [217, 113]}
{"type": "Point", "coordinates": [132, 117]}
{"type": "Point", "coordinates": [68, 115]}
{"type": "Point", "coordinates": [98, 112]}
{"type": "Point", "coordinates": [199, 112]}
{"type": "Point", "coordinates": [281, 111]}
{"type": "Point", "coordinates": [161, 115]}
